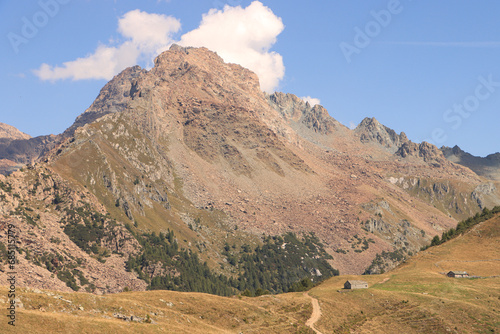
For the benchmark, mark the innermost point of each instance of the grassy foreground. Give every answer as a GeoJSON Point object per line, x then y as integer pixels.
{"type": "Point", "coordinates": [415, 298]}
{"type": "Point", "coordinates": [169, 312]}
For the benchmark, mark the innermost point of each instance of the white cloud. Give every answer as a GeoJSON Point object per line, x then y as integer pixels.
{"type": "Point", "coordinates": [146, 34]}
{"type": "Point", "coordinates": [352, 125]}
{"type": "Point", "coordinates": [312, 101]}
{"type": "Point", "coordinates": [239, 35]}
{"type": "Point", "coordinates": [149, 32]}
{"type": "Point", "coordinates": [243, 36]}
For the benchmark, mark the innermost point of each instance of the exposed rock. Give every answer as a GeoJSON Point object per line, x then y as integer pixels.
{"type": "Point", "coordinates": [481, 191]}
{"type": "Point", "coordinates": [427, 152]}
{"type": "Point", "coordinates": [113, 97]}
{"type": "Point", "coordinates": [371, 131]}
{"type": "Point", "coordinates": [11, 133]}
{"type": "Point", "coordinates": [296, 110]}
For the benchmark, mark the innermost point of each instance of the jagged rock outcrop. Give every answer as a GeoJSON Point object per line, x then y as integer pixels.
{"type": "Point", "coordinates": [372, 131]}
{"type": "Point", "coordinates": [294, 109]}
{"type": "Point", "coordinates": [427, 152]}
{"type": "Point", "coordinates": [113, 97]}
{"type": "Point", "coordinates": [481, 191]}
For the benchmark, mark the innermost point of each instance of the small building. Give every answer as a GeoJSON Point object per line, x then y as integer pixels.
{"type": "Point", "coordinates": [457, 274]}
{"type": "Point", "coordinates": [351, 284]}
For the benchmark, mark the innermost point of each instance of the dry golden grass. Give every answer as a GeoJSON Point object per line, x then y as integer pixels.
{"type": "Point", "coordinates": [170, 312]}
{"type": "Point", "coordinates": [418, 298]}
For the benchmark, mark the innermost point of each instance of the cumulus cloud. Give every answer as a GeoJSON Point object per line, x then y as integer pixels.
{"type": "Point", "coordinates": [243, 36]}
{"type": "Point", "coordinates": [151, 33]}
{"type": "Point", "coordinates": [312, 101]}
{"type": "Point", "coordinates": [239, 35]}
{"type": "Point", "coordinates": [145, 35]}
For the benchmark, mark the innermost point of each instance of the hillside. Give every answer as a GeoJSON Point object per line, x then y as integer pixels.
{"type": "Point", "coordinates": [414, 298]}
{"type": "Point", "coordinates": [417, 297]}
{"type": "Point", "coordinates": [193, 147]}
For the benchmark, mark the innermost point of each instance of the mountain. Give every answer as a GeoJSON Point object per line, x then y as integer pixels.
{"type": "Point", "coordinates": [195, 152]}
{"type": "Point", "coordinates": [18, 148]}
{"type": "Point", "coordinates": [9, 133]}
{"type": "Point", "coordinates": [370, 130]}
{"type": "Point", "coordinates": [488, 167]}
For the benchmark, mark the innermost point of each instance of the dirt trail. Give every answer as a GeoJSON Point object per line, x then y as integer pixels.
{"type": "Point", "coordinates": [316, 314]}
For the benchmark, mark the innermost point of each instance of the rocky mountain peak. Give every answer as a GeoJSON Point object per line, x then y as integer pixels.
{"type": "Point", "coordinates": [370, 130]}
{"type": "Point", "coordinates": [296, 110]}
{"type": "Point", "coordinates": [181, 74]}
{"type": "Point", "coordinates": [193, 145]}
{"type": "Point", "coordinates": [424, 150]}
{"type": "Point", "coordinates": [204, 67]}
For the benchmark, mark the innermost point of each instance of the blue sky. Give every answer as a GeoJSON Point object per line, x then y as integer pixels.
{"type": "Point", "coordinates": [428, 68]}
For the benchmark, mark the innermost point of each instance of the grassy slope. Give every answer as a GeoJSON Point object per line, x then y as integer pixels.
{"type": "Point", "coordinates": [414, 298]}
{"type": "Point", "coordinates": [170, 312]}
{"type": "Point", "coordinates": [418, 298]}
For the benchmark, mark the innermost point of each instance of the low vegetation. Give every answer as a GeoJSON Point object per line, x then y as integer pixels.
{"type": "Point", "coordinates": [280, 264]}
{"type": "Point", "coordinates": [165, 266]}
{"type": "Point", "coordinates": [464, 226]}
{"type": "Point", "coordinates": [384, 260]}
{"type": "Point", "coordinates": [89, 230]}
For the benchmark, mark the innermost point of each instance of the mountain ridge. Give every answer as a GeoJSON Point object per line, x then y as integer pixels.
{"type": "Point", "coordinates": [194, 146]}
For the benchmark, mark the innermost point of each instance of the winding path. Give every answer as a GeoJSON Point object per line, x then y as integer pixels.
{"type": "Point", "coordinates": [316, 314]}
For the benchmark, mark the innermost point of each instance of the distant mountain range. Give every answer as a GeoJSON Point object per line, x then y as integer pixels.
{"type": "Point", "coordinates": [488, 167]}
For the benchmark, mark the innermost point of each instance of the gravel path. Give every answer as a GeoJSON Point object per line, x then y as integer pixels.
{"type": "Point", "coordinates": [316, 314]}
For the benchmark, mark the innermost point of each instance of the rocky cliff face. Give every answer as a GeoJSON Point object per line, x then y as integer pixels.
{"type": "Point", "coordinates": [46, 211]}
{"type": "Point", "coordinates": [112, 98]}
{"type": "Point", "coordinates": [194, 146]}
{"type": "Point", "coordinates": [424, 151]}
{"type": "Point", "coordinates": [296, 111]}
{"type": "Point", "coordinates": [371, 131]}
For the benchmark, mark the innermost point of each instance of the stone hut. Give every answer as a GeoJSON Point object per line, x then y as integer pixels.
{"type": "Point", "coordinates": [457, 274]}
{"type": "Point", "coordinates": [351, 284]}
